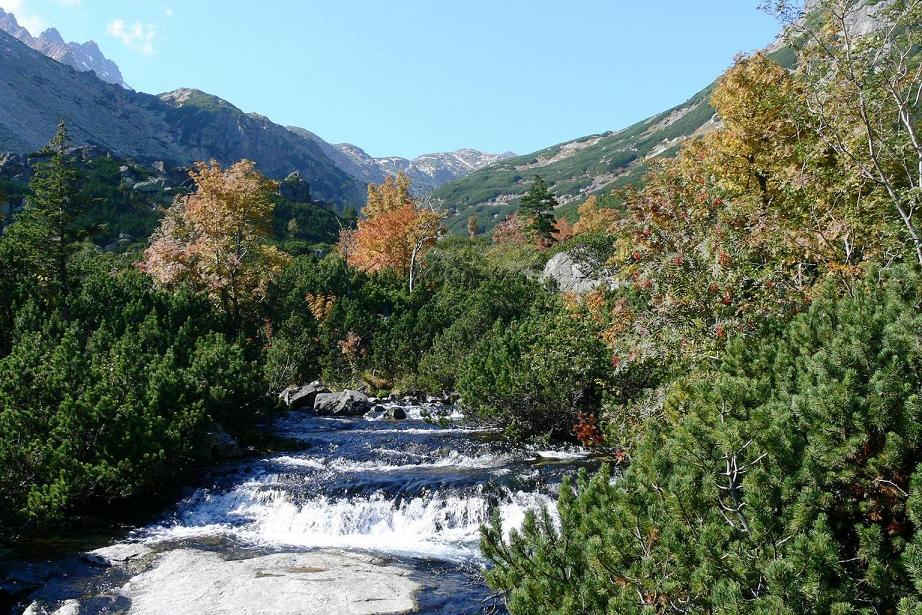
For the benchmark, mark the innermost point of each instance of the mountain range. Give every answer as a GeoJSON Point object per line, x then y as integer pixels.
{"type": "Point", "coordinates": [45, 80]}
{"type": "Point", "coordinates": [80, 56]}
{"type": "Point", "coordinates": [428, 171]}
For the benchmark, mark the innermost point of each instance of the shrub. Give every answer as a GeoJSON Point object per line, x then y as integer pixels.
{"type": "Point", "coordinates": [785, 481]}
{"type": "Point", "coordinates": [535, 375]}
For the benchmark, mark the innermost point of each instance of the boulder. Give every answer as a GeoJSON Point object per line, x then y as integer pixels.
{"type": "Point", "coordinates": [348, 403]}
{"type": "Point", "coordinates": [325, 402]}
{"type": "Point", "coordinates": [197, 582]}
{"type": "Point", "coordinates": [377, 411]}
{"type": "Point", "coordinates": [118, 553]}
{"type": "Point", "coordinates": [569, 275]}
{"type": "Point", "coordinates": [395, 413]}
{"type": "Point", "coordinates": [298, 398]}
{"type": "Point", "coordinates": [295, 189]}
{"type": "Point", "coordinates": [219, 444]}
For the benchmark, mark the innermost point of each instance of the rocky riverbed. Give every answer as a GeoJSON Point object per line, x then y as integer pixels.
{"type": "Point", "coordinates": [372, 516]}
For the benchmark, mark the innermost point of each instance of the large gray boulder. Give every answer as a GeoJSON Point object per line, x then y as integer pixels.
{"type": "Point", "coordinates": [347, 403]}
{"type": "Point", "coordinates": [571, 277]}
{"type": "Point", "coordinates": [298, 398]}
{"type": "Point", "coordinates": [196, 582]}
{"type": "Point", "coordinates": [325, 402]}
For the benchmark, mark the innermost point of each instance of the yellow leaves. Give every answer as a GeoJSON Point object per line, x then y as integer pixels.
{"type": "Point", "coordinates": [595, 219]}
{"type": "Point", "coordinates": [394, 230]}
{"type": "Point", "coordinates": [393, 194]}
{"type": "Point", "coordinates": [215, 238]}
{"type": "Point", "coordinates": [320, 305]}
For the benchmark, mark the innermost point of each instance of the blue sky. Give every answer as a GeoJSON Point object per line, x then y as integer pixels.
{"type": "Point", "coordinates": [406, 77]}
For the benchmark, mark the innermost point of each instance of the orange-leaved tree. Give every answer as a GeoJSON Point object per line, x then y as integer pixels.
{"type": "Point", "coordinates": [217, 238]}
{"type": "Point", "coordinates": [395, 231]}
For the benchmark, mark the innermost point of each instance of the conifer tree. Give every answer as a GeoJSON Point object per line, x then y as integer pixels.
{"type": "Point", "coordinates": [538, 206]}
{"type": "Point", "coordinates": [46, 230]}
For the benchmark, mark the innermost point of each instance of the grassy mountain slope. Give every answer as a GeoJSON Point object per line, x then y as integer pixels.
{"type": "Point", "coordinates": [576, 169]}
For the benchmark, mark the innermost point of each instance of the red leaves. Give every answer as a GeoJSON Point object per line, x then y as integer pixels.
{"type": "Point", "coordinates": [586, 429]}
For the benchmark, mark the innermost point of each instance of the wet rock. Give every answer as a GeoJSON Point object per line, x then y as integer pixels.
{"type": "Point", "coordinates": [198, 582]}
{"type": "Point", "coordinates": [325, 402]}
{"type": "Point", "coordinates": [68, 607]}
{"type": "Point", "coordinates": [298, 398]}
{"type": "Point", "coordinates": [219, 444]}
{"type": "Point", "coordinates": [395, 413]}
{"type": "Point", "coordinates": [117, 554]}
{"type": "Point", "coordinates": [348, 403]}
{"type": "Point", "coordinates": [377, 411]}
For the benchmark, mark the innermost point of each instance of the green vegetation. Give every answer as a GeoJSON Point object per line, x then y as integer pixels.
{"type": "Point", "coordinates": [750, 360]}
{"type": "Point", "coordinates": [776, 483]}
{"type": "Point", "coordinates": [764, 385]}
{"type": "Point", "coordinates": [108, 386]}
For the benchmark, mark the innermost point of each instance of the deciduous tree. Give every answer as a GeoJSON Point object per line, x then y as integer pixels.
{"type": "Point", "coordinates": [394, 231]}
{"type": "Point", "coordinates": [217, 238]}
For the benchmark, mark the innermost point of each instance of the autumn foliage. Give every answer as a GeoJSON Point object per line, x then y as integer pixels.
{"type": "Point", "coordinates": [394, 231]}
{"type": "Point", "coordinates": [217, 239]}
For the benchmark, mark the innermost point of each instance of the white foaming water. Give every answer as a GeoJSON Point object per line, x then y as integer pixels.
{"type": "Point", "coordinates": [453, 459]}
{"type": "Point", "coordinates": [444, 525]}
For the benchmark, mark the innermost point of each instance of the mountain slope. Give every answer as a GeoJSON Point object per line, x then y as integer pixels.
{"type": "Point", "coordinates": [208, 127]}
{"type": "Point", "coordinates": [183, 126]}
{"type": "Point", "coordinates": [428, 171]}
{"type": "Point", "coordinates": [576, 169]}
{"type": "Point", "coordinates": [81, 56]}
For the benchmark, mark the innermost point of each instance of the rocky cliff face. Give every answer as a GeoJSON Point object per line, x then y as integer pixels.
{"type": "Point", "coordinates": [178, 128]}
{"type": "Point", "coordinates": [80, 56]}
{"type": "Point", "coordinates": [427, 172]}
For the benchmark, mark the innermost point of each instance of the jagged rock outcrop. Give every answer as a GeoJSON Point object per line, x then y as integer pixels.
{"type": "Point", "coordinates": [80, 56]}
{"type": "Point", "coordinates": [295, 189]}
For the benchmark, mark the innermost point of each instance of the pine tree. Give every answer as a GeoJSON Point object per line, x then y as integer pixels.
{"type": "Point", "coordinates": [46, 230]}
{"type": "Point", "coordinates": [785, 481]}
{"type": "Point", "coordinates": [538, 206]}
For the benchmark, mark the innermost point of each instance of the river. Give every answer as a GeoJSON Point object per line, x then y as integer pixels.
{"type": "Point", "coordinates": [409, 494]}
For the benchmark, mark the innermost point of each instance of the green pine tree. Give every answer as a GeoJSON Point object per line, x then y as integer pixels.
{"type": "Point", "coordinates": [785, 481]}
{"type": "Point", "coordinates": [538, 206]}
{"type": "Point", "coordinates": [46, 230]}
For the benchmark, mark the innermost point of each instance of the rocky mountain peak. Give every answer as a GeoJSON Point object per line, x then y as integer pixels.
{"type": "Point", "coordinates": [52, 36]}
{"type": "Point", "coordinates": [84, 57]}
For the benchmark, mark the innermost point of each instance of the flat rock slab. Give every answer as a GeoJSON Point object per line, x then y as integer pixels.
{"type": "Point", "coordinates": [197, 582]}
